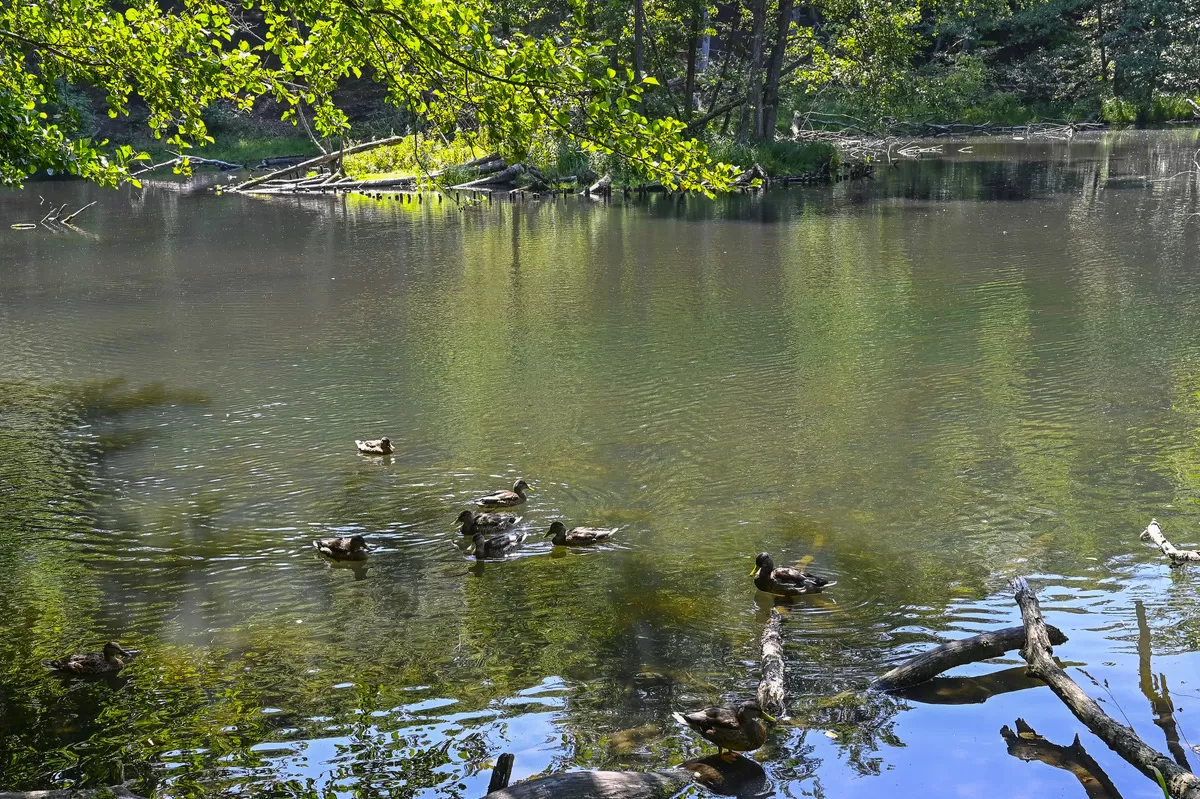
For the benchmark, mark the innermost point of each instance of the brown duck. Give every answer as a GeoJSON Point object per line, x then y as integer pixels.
{"type": "Point", "coordinates": [505, 499]}
{"type": "Point", "coordinates": [577, 536]}
{"type": "Point", "coordinates": [486, 522]}
{"type": "Point", "coordinates": [353, 547]}
{"type": "Point", "coordinates": [381, 446]}
{"type": "Point", "coordinates": [738, 729]}
{"type": "Point", "coordinates": [110, 661]}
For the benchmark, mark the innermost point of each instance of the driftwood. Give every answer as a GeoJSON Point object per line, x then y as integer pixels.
{"type": "Point", "coordinates": [1180, 783]}
{"type": "Point", "coordinates": [600, 785]}
{"type": "Point", "coordinates": [929, 664]}
{"type": "Point", "coordinates": [771, 694]}
{"type": "Point", "coordinates": [502, 773]}
{"type": "Point", "coordinates": [224, 166]}
{"type": "Point", "coordinates": [601, 186]}
{"type": "Point", "coordinates": [1025, 744]}
{"type": "Point", "coordinates": [318, 161]}
{"type": "Point", "coordinates": [119, 792]}
{"type": "Point", "coordinates": [281, 160]}
{"type": "Point", "coordinates": [1153, 533]}
{"type": "Point", "coordinates": [506, 175]}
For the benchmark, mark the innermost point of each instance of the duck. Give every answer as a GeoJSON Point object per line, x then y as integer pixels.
{"type": "Point", "coordinates": [499, 546]}
{"type": "Point", "coordinates": [577, 536]}
{"type": "Point", "coordinates": [506, 499]}
{"type": "Point", "coordinates": [784, 580]}
{"type": "Point", "coordinates": [382, 446]}
{"type": "Point", "coordinates": [486, 522]}
{"type": "Point", "coordinates": [352, 547]}
{"type": "Point", "coordinates": [738, 729]}
{"type": "Point", "coordinates": [110, 661]}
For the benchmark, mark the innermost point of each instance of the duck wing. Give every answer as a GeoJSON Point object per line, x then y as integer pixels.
{"type": "Point", "coordinates": [498, 499]}
{"type": "Point", "coordinates": [588, 535]}
{"type": "Point", "coordinates": [496, 521]}
{"type": "Point", "coordinates": [786, 575]}
{"type": "Point", "coordinates": [710, 719]}
{"type": "Point", "coordinates": [503, 543]}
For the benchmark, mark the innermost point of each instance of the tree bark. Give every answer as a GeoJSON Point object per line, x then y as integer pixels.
{"type": "Point", "coordinates": [775, 71]}
{"type": "Point", "coordinates": [689, 85]}
{"type": "Point", "coordinates": [928, 665]}
{"type": "Point", "coordinates": [1180, 783]}
{"type": "Point", "coordinates": [753, 117]}
{"type": "Point", "coordinates": [1153, 533]}
{"type": "Point", "coordinates": [639, 32]}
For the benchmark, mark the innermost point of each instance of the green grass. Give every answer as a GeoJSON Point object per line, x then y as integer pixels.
{"type": "Point", "coordinates": [779, 159]}
{"type": "Point", "coordinates": [413, 156]}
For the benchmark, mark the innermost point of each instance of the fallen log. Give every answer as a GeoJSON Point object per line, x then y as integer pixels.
{"type": "Point", "coordinates": [224, 166]}
{"type": "Point", "coordinates": [1179, 782]}
{"type": "Point", "coordinates": [317, 161]}
{"type": "Point", "coordinates": [600, 785]}
{"type": "Point", "coordinates": [1025, 744]}
{"type": "Point", "coordinates": [601, 186]}
{"type": "Point", "coordinates": [771, 694]}
{"type": "Point", "coordinates": [1153, 533]}
{"type": "Point", "coordinates": [506, 175]}
{"type": "Point", "coordinates": [941, 658]}
{"type": "Point", "coordinates": [281, 160]}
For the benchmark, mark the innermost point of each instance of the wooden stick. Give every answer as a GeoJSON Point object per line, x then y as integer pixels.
{"type": "Point", "coordinates": [772, 696]}
{"type": "Point", "coordinates": [928, 665]}
{"type": "Point", "coordinates": [1153, 533]}
{"type": "Point", "coordinates": [69, 217]}
{"type": "Point", "coordinates": [1180, 783]}
{"type": "Point", "coordinates": [318, 161]}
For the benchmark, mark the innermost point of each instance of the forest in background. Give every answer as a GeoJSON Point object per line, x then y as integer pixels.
{"type": "Point", "coordinates": [662, 88]}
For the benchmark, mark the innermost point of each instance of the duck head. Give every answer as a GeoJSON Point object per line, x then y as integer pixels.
{"type": "Point", "coordinates": [358, 544]}
{"type": "Point", "coordinates": [556, 529]}
{"type": "Point", "coordinates": [764, 562]}
{"type": "Point", "coordinates": [752, 713]}
{"type": "Point", "coordinates": [114, 651]}
{"type": "Point", "coordinates": [521, 486]}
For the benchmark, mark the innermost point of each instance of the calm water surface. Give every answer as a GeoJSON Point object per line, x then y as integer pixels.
{"type": "Point", "coordinates": [982, 365]}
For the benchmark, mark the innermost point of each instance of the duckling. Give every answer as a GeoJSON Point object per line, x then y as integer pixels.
{"type": "Point", "coordinates": [110, 661]}
{"type": "Point", "coordinates": [345, 548]}
{"type": "Point", "coordinates": [738, 729]}
{"type": "Point", "coordinates": [380, 446]}
{"type": "Point", "coordinates": [505, 499]}
{"type": "Point", "coordinates": [577, 536]}
{"type": "Point", "coordinates": [497, 547]}
{"type": "Point", "coordinates": [784, 580]}
{"type": "Point", "coordinates": [486, 522]}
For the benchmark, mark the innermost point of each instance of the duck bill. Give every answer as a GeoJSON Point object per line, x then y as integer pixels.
{"type": "Point", "coordinates": [754, 570]}
{"type": "Point", "coordinates": [769, 717]}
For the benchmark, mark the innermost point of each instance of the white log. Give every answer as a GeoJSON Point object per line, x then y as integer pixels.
{"type": "Point", "coordinates": [1153, 533]}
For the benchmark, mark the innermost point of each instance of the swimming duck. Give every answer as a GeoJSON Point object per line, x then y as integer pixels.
{"type": "Point", "coordinates": [110, 661]}
{"type": "Point", "coordinates": [486, 522]}
{"type": "Point", "coordinates": [352, 547]}
{"type": "Point", "coordinates": [498, 546]}
{"type": "Point", "coordinates": [505, 499]}
{"type": "Point", "coordinates": [380, 446]}
{"type": "Point", "coordinates": [577, 536]}
{"type": "Point", "coordinates": [784, 580]}
{"type": "Point", "coordinates": [738, 729]}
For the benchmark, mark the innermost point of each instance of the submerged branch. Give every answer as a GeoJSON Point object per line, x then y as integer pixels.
{"type": "Point", "coordinates": [771, 694]}
{"type": "Point", "coordinates": [1153, 533]}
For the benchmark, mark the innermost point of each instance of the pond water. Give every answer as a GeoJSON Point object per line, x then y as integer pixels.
{"type": "Point", "coordinates": [981, 365]}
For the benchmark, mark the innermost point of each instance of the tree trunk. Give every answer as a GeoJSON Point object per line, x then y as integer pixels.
{"type": "Point", "coordinates": [774, 72]}
{"type": "Point", "coordinates": [928, 665]}
{"type": "Point", "coordinates": [639, 32]}
{"type": "Point", "coordinates": [752, 119]}
{"type": "Point", "coordinates": [689, 86]}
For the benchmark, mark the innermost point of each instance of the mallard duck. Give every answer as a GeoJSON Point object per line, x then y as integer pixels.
{"type": "Point", "coordinates": [381, 446]}
{"type": "Point", "coordinates": [577, 536]}
{"type": "Point", "coordinates": [739, 729]}
{"type": "Point", "coordinates": [353, 547]}
{"type": "Point", "coordinates": [784, 580]}
{"type": "Point", "coordinates": [110, 661]}
{"type": "Point", "coordinates": [498, 546]}
{"type": "Point", "coordinates": [486, 522]}
{"type": "Point", "coordinates": [505, 499]}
